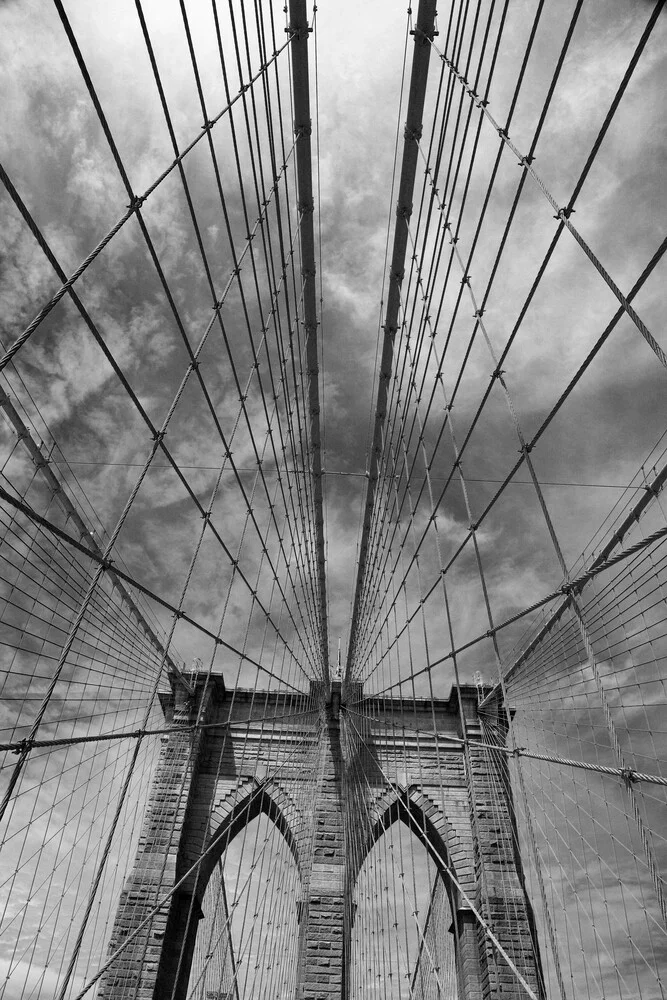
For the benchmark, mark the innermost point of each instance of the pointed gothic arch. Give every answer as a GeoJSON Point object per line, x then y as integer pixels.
{"type": "Point", "coordinates": [233, 814]}
{"type": "Point", "coordinates": [244, 805]}
{"type": "Point", "coordinates": [424, 819]}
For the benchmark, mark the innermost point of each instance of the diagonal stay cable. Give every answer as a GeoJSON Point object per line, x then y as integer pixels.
{"type": "Point", "coordinates": [126, 385]}
{"type": "Point", "coordinates": [563, 214]}
{"type": "Point", "coordinates": [214, 844]}
{"type": "Point", "coordinates": [662, 249]}
{"type": "Point", "coordinates": [542, 268]}
{"type": "Point", "coordinates": [106, 564]}
{"type": "Point", "coordinates": [134, 207]}
{"type": "Point", "coordinates": [425, 24]}
{"type": "Point", "coordinates": [574, 586]}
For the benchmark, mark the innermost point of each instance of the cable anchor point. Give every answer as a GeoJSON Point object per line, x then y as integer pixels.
{"type": "Point", "coordinates": [629, 776]}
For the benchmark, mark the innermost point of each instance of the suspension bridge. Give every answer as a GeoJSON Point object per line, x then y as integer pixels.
{"type": "Point", "coordinates": [333, 453]}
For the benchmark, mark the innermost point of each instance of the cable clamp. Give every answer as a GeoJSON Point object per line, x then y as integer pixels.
{"type": "Point", "coordinates": [564, 213]}
{"type": "Point", "coordinates": [159, 436]}
{"type": "Point", "coordinates": [465, 280]}
{"type": "Point", "coordinates": [629, 776]}
{"type": "Point", "coordinates": [207, 126]}
{"type": "Point", "coordinates": [206, 516]}
{"type": "Point", "coordinates": [106, 564]}
{"type": "Point", "coordinates": [473, 526]}
{"type": "Point", "coordinates": [517, 751]}
{"type": "Point", "coordinates": [482, 102]}
{"type": "Point", "coordinates": [298, 33]}
{"type": "Point", "coordinates": [403, 211]}
{"type": "Point", "coordinates": [526, 161]}
{"type": "Point", "coordinates": [304, 131]}
{"type": "Point", "coordinates": [413, 133]}
{"type": "Point", "coordinates": [478, 313]}
{"type": "Point", "coordinates": [502, 133]}
{"type": "Point", "coordinates": [194, 364]}
{"type": "Point", "coordinates": [23, 746]}
{"type": "Point", "coordinates": [498, 373]}
{"type": "Point", "coordinates": [137, 202]}
{"type": "Point", "coordinates": [525, 448]}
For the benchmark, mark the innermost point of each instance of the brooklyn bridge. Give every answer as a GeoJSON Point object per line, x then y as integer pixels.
{"type": "Point", "coordinates": [333, 450]}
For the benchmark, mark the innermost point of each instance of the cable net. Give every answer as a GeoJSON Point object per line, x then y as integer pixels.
{"type": "Point", "coordinates": [473, 801]}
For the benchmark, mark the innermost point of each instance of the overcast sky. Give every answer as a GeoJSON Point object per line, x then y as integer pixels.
{"type": "Point", "coordinates": [56, 155]}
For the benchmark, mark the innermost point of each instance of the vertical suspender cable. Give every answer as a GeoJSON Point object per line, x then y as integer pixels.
{"type": "Point", "coordinates": [302, 130]}
{"type": "Point", "coordinates": [423, 35]}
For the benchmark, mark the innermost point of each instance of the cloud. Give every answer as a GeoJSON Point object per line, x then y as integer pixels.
{"type": "Point", "coordinates": [59, 159]}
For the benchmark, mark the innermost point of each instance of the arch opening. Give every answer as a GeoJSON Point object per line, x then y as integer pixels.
{"type": "Point", "coordinates": [402, 943]}
{"type": "Point", "coordinates": [247, 940]}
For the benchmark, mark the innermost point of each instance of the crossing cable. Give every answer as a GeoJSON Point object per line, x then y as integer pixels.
{"type": "Point", "coordinates": [432, 175]}
{"type": "Point", "coordinates": [585, 635]}
{"type": "Point", "coordinates": [563, 214]}
{"type": "Point", "coordinates": [464, 724]}
{"type": "Point", "coordinates": [19, 745]}
{"type": "Point", "coordinates": [606, 831]}
{"type": "Point", "coordinates": [214, 844]}
{"type": "Point", "coordinates": [425, 26]}
{"type": "Point", "coordinates": [58, 586]}
{"type": "Point", "coordinates": [445, 119]}
{"type": "Point", "coordinates": [575, 585]}
{"type": "Point", "coordinates": [267, 250]}
{"type": "Point", "coordinates": [146, 419]}
{"type": "Point", "coordinates": [104, 563]}
{"type": "Point", "coordinates": [549, 252]}
{"type": "Point", "coordinates": [561, 560]}
{"type": "Point", "coordinates": [642, 504]}
{"type": "Point", "coordinates": [373, 540]}
{"type": "Point", "coordinates": [538, 434]}
{"type": "Point", "coordinates": [239, 753]}
{"type": "Point", "coordinates": [62, 497]}
{"type": "Point", "coordinates": [492, 180]}
{"type": "Point", "coordinates": [119, 163]}
{"type": "Point", "coordinates": [626, 774]}
{"type": "Point", "coordinates": [260, 200]}
{"type": "Point", "coordinates": [603, 560]}
{"type": "Point", "coordinates": [72, 632]}
{"type": "Point", "coordinates": [447, 871]}
{"type": "Point", "coordinates": [304, 426]}
{"type": "Point", "coordinates": [134, 207]}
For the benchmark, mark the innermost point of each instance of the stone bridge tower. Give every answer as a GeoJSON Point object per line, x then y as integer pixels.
{"type": "Point", "coordinates": [210, 783]}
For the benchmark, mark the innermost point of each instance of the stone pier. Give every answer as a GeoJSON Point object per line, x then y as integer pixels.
{"type": "Point", "coordinates": [319, 767]}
